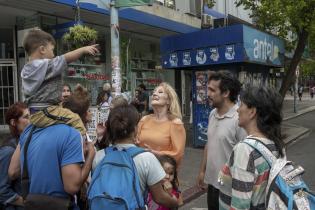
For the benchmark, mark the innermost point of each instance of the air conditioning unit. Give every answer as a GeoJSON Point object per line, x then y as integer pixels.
{"type": "Point", "coordinates": [206, 21]}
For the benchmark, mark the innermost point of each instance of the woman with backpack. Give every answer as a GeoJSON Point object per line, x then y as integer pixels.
{"type": "Point", "coordinates": [126, 172]}
{"type": "Point", "coordinates": [17, 118]}
{"type": "Point", "coordinates": [243, 179]}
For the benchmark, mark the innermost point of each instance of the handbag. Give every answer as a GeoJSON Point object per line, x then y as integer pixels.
{"type": "Point", "coordinates": [39, 201]}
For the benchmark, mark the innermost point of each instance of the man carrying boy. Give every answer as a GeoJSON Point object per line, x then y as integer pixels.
{"type": "Point", "coordinates": [41, 80]}
{"type": "Point", "coordinates": [55, 159]}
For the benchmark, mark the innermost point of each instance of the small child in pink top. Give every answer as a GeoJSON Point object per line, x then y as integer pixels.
{"type": "Point", "coordinates": [170, 184]}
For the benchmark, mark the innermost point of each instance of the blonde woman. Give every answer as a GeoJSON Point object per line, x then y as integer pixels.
{"type": "Point", "coordinates": [163, 131]}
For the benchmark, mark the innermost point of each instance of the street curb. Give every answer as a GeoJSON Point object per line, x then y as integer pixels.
{"type": "Point", "coordinates": [194, 192]}
{"type": "Point", "coordinates": [292, 138]}
{"type": "Point", "coordinates": [303, 111]}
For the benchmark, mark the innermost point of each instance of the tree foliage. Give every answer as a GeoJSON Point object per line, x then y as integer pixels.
{"type": "Point", "coordinates": [308, 68]}
{"type": "Point", "coordinates": [209, 3]}
{"type": "Point", "coordinates": [292, 20]}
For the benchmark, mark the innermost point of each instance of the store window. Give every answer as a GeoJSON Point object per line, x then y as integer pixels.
{"type": "Point", "coordinates": [89, 71]}
{"type": "Point", "coordinates": [7, 90]}
{"type": "Point", "coordinates": [8, 81]}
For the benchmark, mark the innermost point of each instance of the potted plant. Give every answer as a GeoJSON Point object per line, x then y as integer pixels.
{"type": "Point", "coordinates": [79, 36]}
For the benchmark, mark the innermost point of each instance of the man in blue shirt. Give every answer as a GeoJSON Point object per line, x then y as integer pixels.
{"type": "Point", "coordinates": [55, 158]}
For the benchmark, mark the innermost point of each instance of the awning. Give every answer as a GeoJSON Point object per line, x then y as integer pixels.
{"type": "Point", "coordinates": [131, 20]}
{"type": "Point", "coordinates": [137, 16]}
{"type": "Point", "coordinates": [232, 44]}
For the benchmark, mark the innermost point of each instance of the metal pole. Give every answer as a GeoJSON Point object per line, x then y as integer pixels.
{"type": "Point", "coordinates": [127, 65]}
{"type": "Point", "coordinates": [115, 49]}
{"type": "Point", "coordinates": [294, 101]}
{"type": "Point", "coordinates": [297, 72]}
{"type": "Point", "coordinates": [295, 91]}
{"type": "Point", "coordinates": [225, 14]}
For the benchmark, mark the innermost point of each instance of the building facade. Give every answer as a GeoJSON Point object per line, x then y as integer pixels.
{"type": "Point", "coordinates": [140, 31]}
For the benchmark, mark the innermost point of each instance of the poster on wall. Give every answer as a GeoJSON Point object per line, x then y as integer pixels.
{"type": "Point", "coordinates": [201, 108]}
{"type": "Point", "coordinates": [186, 59]}
{"type": "Point", "coordinates": [91, 127]}
{"type": "Point", "coordinates": [103, 113]}
{"type": "Point", "coordinates": [214, 54]}
{"type": "Point", "coordinates": [201, 57]}
{"type": "Point", "coordinates": [201, 96]}
{"type": "Point", "coordinates": [201, 87]}
{"type": "Point", "coordinates": [173, 59]}
{"type": "Point", "coordinates": [229, 52]}
{"type": "Point", "coordinates": [98, 116]}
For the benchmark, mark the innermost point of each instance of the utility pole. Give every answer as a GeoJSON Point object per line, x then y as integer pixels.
{"type": "Point", "coordinates": [115, 49]}
{"type": "Point", "coordinates": [296, 88]}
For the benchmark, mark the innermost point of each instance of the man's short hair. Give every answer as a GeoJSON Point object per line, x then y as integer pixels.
{"type": "Point", "coordinates": [36, 38]}
{"type": "Point", "coordinates": [228, 82]}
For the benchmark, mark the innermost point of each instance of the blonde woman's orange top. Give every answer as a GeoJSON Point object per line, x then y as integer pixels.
{"type": "Point", "coordinates": [168, 137]}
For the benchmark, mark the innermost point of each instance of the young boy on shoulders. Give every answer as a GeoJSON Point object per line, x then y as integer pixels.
{"type": "Point", "coordinates": [42, 82]}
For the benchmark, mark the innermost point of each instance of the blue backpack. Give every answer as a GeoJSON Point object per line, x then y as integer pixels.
{"type": "Point", "coordinates": [115, 182]}
{"type": "Point", "coordinates": [286, 188]}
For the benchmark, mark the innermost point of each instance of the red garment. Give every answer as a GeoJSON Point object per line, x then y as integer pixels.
{"type": "Point", "coordinates": [154, 206]}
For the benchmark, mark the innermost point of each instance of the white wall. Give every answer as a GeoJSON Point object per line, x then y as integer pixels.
{"type": "Point", "coordinates": [229, 7]}
{"type": "Point", "coordinates": [183, 6]}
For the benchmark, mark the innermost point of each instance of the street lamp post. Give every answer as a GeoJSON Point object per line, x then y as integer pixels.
{"type": "Point", "coordinates": [115, 49]}
{"type": "Point", "coordinates": [297, 72]}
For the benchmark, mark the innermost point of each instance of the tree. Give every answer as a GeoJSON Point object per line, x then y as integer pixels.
{"type": "Point", "coordinates": [308, 68]}
{"type": "Point", "coordinates": [293, 20]}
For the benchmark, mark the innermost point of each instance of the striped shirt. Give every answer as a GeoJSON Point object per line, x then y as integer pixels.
{"type": "Point", "coordinates": [243, 179]}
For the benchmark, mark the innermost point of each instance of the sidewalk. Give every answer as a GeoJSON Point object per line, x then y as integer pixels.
{"type": "Point", "coordinates": [193, 156]}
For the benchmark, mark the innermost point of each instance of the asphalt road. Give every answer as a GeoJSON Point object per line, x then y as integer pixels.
{"type": "Point", "coordinates": [302, 152]}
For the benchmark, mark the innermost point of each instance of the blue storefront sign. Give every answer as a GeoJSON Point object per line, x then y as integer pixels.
{"type": "Point", "coordinates": [233, 44]}
{"type": "Point", "coordinates": [202, 50]}
{"type": "Point", "coordinates": [262, 47]}
{"type": "Point", "coordinates": [204, 56]}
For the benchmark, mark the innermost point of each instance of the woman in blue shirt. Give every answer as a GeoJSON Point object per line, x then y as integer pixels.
{"type": "Point", "coordinates": [17, 117]}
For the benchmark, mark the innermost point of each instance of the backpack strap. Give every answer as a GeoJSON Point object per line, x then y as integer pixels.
{"type": "Point", "coordinates": [55, 117]}
{"type": "Point", "coordinates": [270, 158]}
{"type": "Point", "coordinates": [134, 151]}
{"type": "Point", "coordinates": [262, 149]}
{"type": "Point", "coordinates": [25, 182]}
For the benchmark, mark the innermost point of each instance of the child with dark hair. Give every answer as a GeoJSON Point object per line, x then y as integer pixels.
{"type": "Point", "coordinates": [41, 80]}
{"type": "Point", "coordinates": [66, 92]}
{"type": "Point", "coordinates": [170, 184]}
